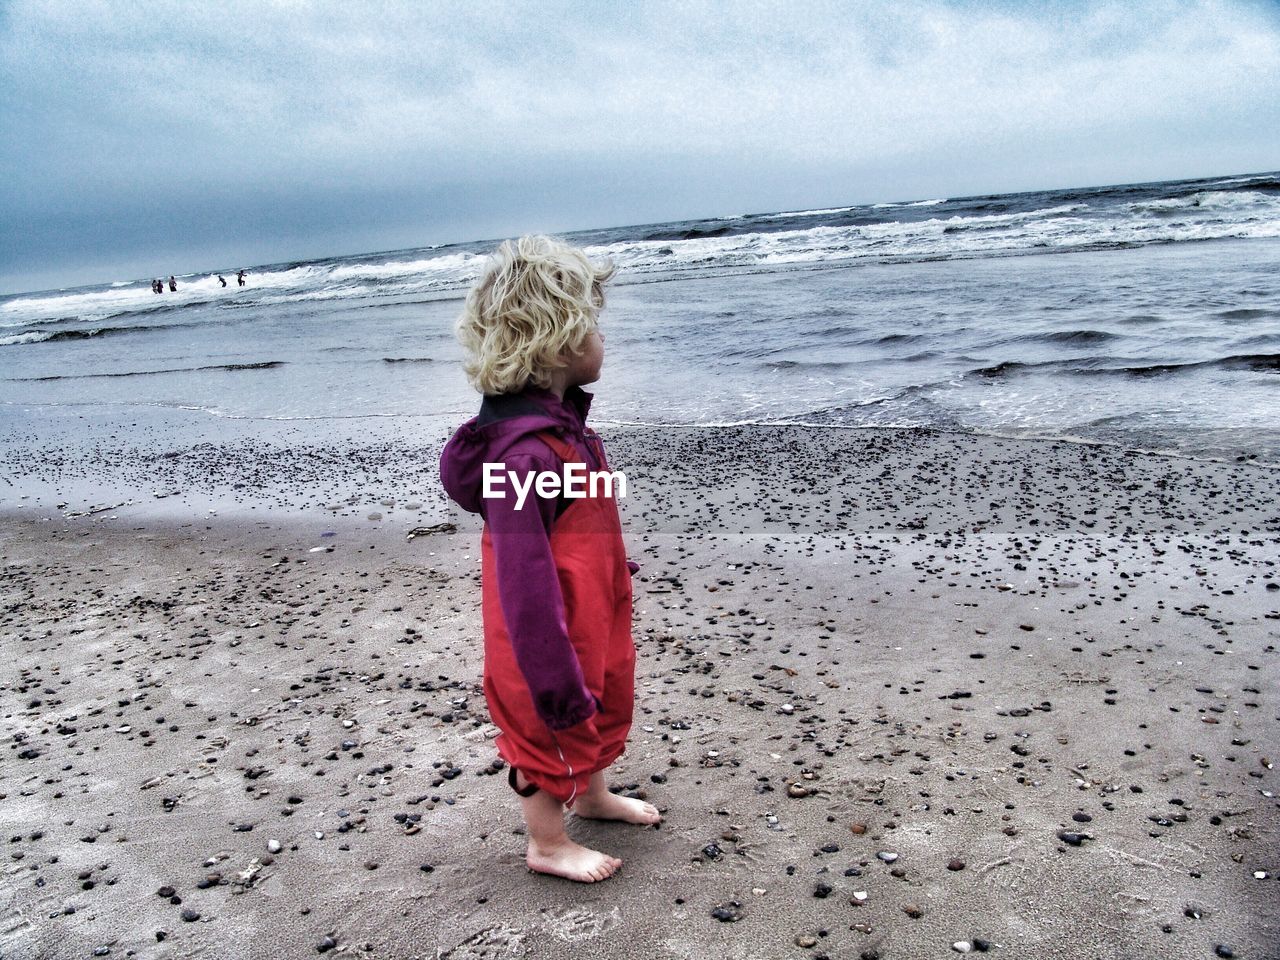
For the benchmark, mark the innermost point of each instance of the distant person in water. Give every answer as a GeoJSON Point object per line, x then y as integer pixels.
{"type": "Point", "coordinates": [222, 280]}
{"type": "Point", "coordinates": [240, 279]}
{"type": "Point", "coordinates": [173, 285]}
{"type": "Point", "coordinates": [155, 286]}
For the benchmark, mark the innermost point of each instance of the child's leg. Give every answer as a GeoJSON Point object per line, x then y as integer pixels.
{"type": "Point", "coordinates": [599, 804]}
{"type": "Point", "coordinates": [550, 849]}
{"type": "Point", "coordinates": [613, 722]}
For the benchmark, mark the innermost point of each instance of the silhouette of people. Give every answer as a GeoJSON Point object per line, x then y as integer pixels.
{"type": "Point", "coordinates": [222, 280]}
{"type": "Point", "coordinates": [240, 279]}
{"type": "Point", "coordinates": [173, 285]}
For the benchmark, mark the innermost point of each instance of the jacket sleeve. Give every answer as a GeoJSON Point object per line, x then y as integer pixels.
{"type": "Point", "coordinates": [532, 605]}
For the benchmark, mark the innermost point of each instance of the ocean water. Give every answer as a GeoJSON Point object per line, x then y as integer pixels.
{"type": "Point", "coordinates": [1146, 316]}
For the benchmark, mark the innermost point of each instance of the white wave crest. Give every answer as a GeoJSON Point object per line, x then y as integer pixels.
{"type": "Point", "coordinates": [1217, 200]}
{"type": "Point", "coordinates": [34, 337]}
{"type": "Point", "coordinates": [1202, 215]}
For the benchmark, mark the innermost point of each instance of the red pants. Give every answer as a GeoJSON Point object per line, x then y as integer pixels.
{"type": "Point", "coordinates": [591, 564]}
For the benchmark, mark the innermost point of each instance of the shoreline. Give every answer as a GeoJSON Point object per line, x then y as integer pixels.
{"type": "Point", "coordinates": [909, 665]}
{"type": "Point", "coordinates": [205, 475]}
{"type": "Point", "coordinates": [1251, 459]}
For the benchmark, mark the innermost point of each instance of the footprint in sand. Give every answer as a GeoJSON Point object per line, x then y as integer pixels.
{"type": "Point", "coordinates": [573, 925]}
{"type": "Point", "coordinates": [491, 943]}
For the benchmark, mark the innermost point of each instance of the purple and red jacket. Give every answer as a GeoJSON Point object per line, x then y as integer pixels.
{"type": "Point", "coordinates": [528, 587]}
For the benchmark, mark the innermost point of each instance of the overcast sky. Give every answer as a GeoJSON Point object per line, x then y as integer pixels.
{"type": "Point", "coordinates": [148, 138]}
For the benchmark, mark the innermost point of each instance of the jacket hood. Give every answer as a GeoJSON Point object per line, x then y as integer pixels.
{"type": "Point", "coordinates": [502, 425]}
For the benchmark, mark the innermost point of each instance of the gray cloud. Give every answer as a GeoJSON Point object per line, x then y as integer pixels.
{"type": "Point", "coordinates": [168, 136]}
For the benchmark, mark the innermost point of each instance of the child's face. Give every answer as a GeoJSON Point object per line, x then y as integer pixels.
{"type": "Point", "coordinates": [584, 367]}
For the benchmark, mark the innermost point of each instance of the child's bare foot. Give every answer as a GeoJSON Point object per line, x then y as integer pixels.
{"type": "Point", "coordinates": [572, 861]}
{"type": "Point", "coordinates": [610, 806]}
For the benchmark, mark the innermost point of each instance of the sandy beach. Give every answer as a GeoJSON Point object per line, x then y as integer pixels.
{"type": "Point", "coordinates": [899, 693]}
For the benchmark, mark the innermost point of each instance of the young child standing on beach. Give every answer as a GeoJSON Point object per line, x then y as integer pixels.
{"type": "Point", "coordinates": [559, 660]}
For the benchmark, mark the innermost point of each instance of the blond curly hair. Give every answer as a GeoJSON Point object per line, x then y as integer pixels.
{"type": "Point", "coordinates": [534, 303]}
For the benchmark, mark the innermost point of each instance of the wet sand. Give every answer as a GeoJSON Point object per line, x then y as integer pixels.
{"type": "Point", "coordinates": [896, 690]}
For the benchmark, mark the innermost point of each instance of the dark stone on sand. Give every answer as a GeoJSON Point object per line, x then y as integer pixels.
{"type": "Point", "coordinates": [1081, 817]}
{"type": "Point", "coordinates": [956, 865]}
{"type": "Point", "coordinates": [1073, 839]}
{"type": "Point", "coordinates": [729, 912]}
{"type": "Point", "coordinates": [325, 945]}
{"type": "Point", "coordinates": [1222, 950]}
{"type": "Point", "coordinates": [822, 890]}
{"type": "Point", "coordinates": [189, 915]}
